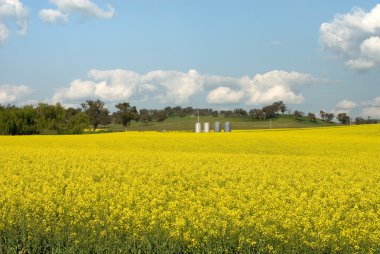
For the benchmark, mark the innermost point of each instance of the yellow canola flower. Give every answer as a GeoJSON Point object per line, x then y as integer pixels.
{"type": "Point", "coordinates": [278, 191]}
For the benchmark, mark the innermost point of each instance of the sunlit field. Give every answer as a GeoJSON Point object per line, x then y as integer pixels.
{"type": "Point", "coordinates": [280, 191]}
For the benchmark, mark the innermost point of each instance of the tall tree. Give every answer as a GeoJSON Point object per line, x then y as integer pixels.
{"type": "Point", "coordinates": [240, 112]}
{"type": "Point", "coordinates": [50, 118]}
{"type": "Point", "coordinates": [343, 118]}
{"type": "Point", "coordinates": [146, 116]}
{"type": "Point", "coordinates": [159, 115]}
{"type": "Point", "coordinates": [329, 117]}
{"type": "Point", "coordinates": [256, 113]}
{"type": "Point", "coordinates": [126, 113]}
{"type": "Point", "coordinates": [77, 123]}
{"type": "Point", "coordinates": [326, 116]}
{"type": "Point", "coordinates": [283, 107]}
{"type": "Point", "coordinates": [312, 117]}
{"type": "Point", "coordinates": [298, 114]}
{"type": "Point", "coordinates": [269, 111]}
{"type": "Point", "coordinates": [277, 106]}
{"type": "Point", "coordinates": [96, 112]}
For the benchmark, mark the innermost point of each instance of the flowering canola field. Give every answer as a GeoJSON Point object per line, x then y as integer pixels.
{"type": "Point", "coordinates": [271, 191]}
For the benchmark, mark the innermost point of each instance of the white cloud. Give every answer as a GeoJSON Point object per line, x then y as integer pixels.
{"type": "Point", "coordinates": [12, 11]}
{"type": "Point", "coordinates": [53, 16]}
{"type": "Point", "coordinates": [346, 104]}
{"type": "Point", "coordinates": [177, 86]}
{"type": "Point", "coordinates": [373, 112]}
{"type": "Point", "coordinates": [367, 108]}
{"type": "Point", "coordinates": [224, 95]}
{"type": "Point", "coordinates": [174, 87]}
{"type": "Point", "coordinates": [78, 89]}
{"type": "Point", "coordinates": [355, 37]}
{"type": "Point", "coordinates": [116, 84]}
{"type": "Point", "coordinates": [84, 8]}
{"type": "Point", "coordinates": [4, 32]}
{"type": "Point", "coordinates": [12, 93]}
{"type": "Point", "coordinates": [373, 103]}
{"type": "Point", "coordinates": [147, 88]}
{"type": "Point", "coordinates": [370, 48]}
{"type": "Point", "coordinates": [371, 108]}
{"type": "Point", "coordinates": [276, 85]}
{"type": "Point", "coordinates": [113, 85]}
{"type": "Point", "coordinates": [360, 64]}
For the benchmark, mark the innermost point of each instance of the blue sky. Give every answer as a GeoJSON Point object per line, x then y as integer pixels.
{"type": "Point", "coordinates": [219, 54]}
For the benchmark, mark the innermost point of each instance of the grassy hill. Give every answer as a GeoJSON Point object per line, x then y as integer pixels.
{"type": "Point", "coordinates": [238, 123]}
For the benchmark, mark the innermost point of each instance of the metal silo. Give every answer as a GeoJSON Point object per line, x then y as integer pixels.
{"type": "Point", "coordinates": [217, 127]}
{"type": "Point", "coordinates": [206, 127]}
{"type": "Point", "coordinates": [227, 127]}
{"type": "Point", "coordinates": [198, 127]}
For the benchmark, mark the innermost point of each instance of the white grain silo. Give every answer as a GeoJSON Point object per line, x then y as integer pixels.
{"type": "Point", "coordinates": [198, 127]}
{"type": "Point", "coordinates": [206, 127]}
{"type": "Point", "coordinates": [217, 127]}
{"type": "Point", "coordinates": [227, 127]}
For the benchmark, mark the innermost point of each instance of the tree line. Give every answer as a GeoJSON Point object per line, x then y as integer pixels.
{"type": "Point", "coordinates": [55, 119]}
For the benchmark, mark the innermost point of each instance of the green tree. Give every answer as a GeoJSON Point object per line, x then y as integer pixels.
{"type": "Point", "coordinates": [256, 113]}
{"type": "Point", "coordinates": [125, 114]}
{"type": "Point", "coordinates": [146, 116]}
{"type": "Point", "coordinates": [329, 117]}
{"type": "Point", "coordinates": [239, 112]}
{"type": "Point", "coordinates": [323, 115]}
{"type": "Point", "coordinates": [77, 123]}
{"type": "Point", "coordinates": [96, 112]}
{"type": "Point", "coordinates": [326, 116]}
{"type": "Point", "coordinates": [18, 121]}
{"type": "Point", "coordinates": [215, 113]}
{"type": "Point", "coordinates": [312, 117]}
{"type": "Point", "coordinates": [279, 106]}
{"type": "Point", "coordinates": [283, 107]}
{"type": "Point", "coordinates": [271, 111]}
{"type": "Point", "coordinates": [50, 118]}
{"type": "Point", "coordinates": [159, 115]}
{"type": "Point", "coordinates": [298, 114]}
{"type": "Point", "coordinates": [343, 118]}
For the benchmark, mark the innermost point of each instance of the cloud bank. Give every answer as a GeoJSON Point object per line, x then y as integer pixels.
{"type": "Point", "coordinates": [372, 108]}
{"type": "Point", "coordinates": [346, 104]}
{"type": "Point", "coordinates": [175, 87]}
{"type": "Point", "coordinates": [224, 95]}
{"type": "Point", "coordinates": [354, 37]}
{"type": "Point", "coordinates": [12, 93]}
{"type": "Point", "coordinates": [12, 11]}
{"type": "Point", "coordinates": [369, 108]}
{"type": "Point", "coordinates": [83, 8]}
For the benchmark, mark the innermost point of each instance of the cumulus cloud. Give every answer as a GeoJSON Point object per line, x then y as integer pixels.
{"type": "Point", "coordinates": [372, 108]}
{"type": "Point", "coordinates": [4, 32]}
{"type": "Point", "coordinates": [12, 93]}
{"type": "Point", "coordinates": [276, 85]}
{"type": "Point", "coordinates": [113, 85]}
{"type": "Point", "coordinates": [175, 87]}
{"type": "Point", "coordinates": [365, 108]}
{"type": "Point", "coordinates": [84, 8]}
{"type": "Point", "coordinates": [346, 104]}
{"type": "Point", "coordinates": [12, 11]}
{"type": "Point", "coordinates": [53, 16]}
{"type": "Point", "coordinates": [373, 103]}
{"type": "Point", "coordinates": [224, 95]}
{"type": "Point", "coordinates": [355, 37]}
{"type": "Point", "coordinates": [373, 112]}
{"type": "Point", "coordinates": [178, 87]}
